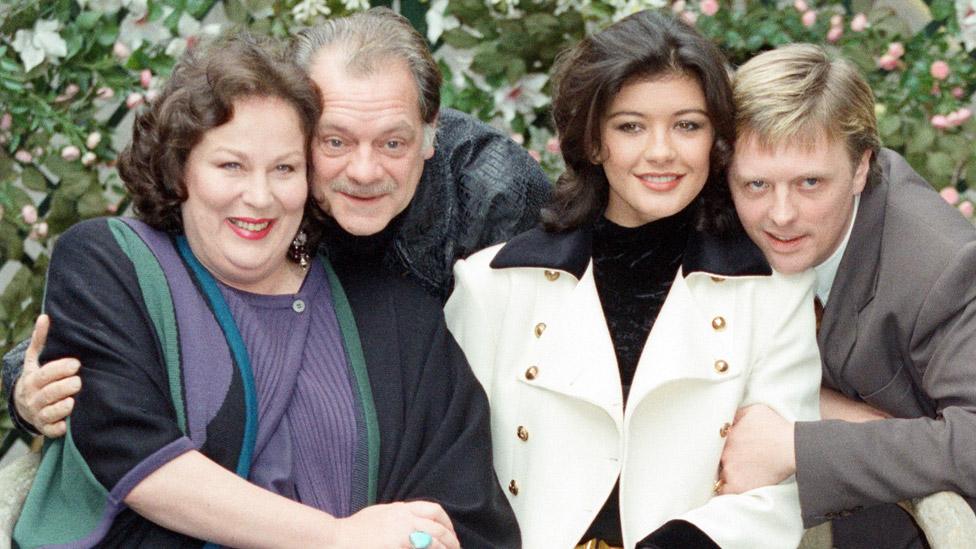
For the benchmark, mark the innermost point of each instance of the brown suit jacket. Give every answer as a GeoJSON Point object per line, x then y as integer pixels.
{"type": "Point", "coordinates": [898, 332]}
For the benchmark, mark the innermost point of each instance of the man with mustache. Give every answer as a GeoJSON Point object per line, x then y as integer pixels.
{"type": "Point", "coordinates": [894, 266]}
{"type": "Point", "coordinates": [397, 198]}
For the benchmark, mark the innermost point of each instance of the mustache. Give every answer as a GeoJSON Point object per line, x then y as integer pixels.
{"type": "Point", "coordinates": [358, 190]}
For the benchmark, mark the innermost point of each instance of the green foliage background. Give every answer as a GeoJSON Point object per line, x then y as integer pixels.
{"type": "Point", "coordinates": [496, 55]}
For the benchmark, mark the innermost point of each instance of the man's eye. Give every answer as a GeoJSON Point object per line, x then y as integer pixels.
{"type": "Point", "coordinates": [394, 144]}
{"type": "Point", "coordinates": [231, 165]}
{"type": "Point", "coordinates": [809, 182]}
{"type": "Point", "coordinates": [333, 142]}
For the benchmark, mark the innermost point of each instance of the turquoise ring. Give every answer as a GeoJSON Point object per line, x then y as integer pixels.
{"type": "Point", "coordinates": [420, 540]}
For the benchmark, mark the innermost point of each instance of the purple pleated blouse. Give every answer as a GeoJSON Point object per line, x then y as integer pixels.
{"type": "Point", "coordinates": [307, 408]}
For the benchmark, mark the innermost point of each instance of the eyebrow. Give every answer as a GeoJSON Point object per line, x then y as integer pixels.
{"type": "Point", "coordinates": [240, 154]}
{"type": "Point", "coordinates": [682, 112]}
{"type": "Point", "coordinates": [399, 127]}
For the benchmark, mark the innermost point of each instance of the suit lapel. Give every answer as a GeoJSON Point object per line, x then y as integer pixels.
{"type": "Point", "coordinates": [855, 283]}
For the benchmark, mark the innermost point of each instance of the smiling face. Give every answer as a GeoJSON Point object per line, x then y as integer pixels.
{"type": "Point", "coordinates": [369, 150]}
{"type": "Point", "coordinates": [656, 138]}
{"type": "Point", "coordinates": [246, 191]}
{"type": "Point", "coordinates": [796, 202]}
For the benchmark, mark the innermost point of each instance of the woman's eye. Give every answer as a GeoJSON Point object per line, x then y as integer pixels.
{"type": "Point", "coordinates": [756, 184]}
{"type": "Point", "coordinates": [285, 168]}
{"type": "Point", "coordinates": [688, 125]}
{"type": "Point", "coordinates": [629, 127]}
{"type": "Point", "coordinates": [231, 165]}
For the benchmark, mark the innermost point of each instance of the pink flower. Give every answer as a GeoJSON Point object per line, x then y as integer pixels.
{"type": "Point", "coordinates": [888, 62]}
{"type": "Point", "coordinates": [800, 6]}
{"type": "Point", "coordinates": [809, 18]}
{"type": "Point", "coordinates": [94, 138]}
{"type": "Point", "coordinates": [958, 92]}
{"type": "Point", "coordinates": [23, 156]}
{"type": "Point", "coordinates": [121, 51]}
{"type": "Point", "coordinates": [950, 195]}
{"type": "Point", "coordinates": [964, 114]}
{"type": "Point", "coordinates": [70, 91]}
{"type": "Point", "coordinates": [518, 138]}
{"type": "Point", "coordinates": [88, 158]}
{"type": "Point", "coordinates": [41, 229]}
{"type": "Point", "coordinates": [29, 214]}
{"type": "Point", "coordinates": [709, 7]}
{"type": "Point", "coordinates": [689, 17]}
{"type": "Point", "coordinates": [70, 153]}
{"type": "Point", "coordinates": [105, 93]}
{"type": "Point", "coordinates": [535, 154]}
{"type": "Point", "coordinates": [966, 209]}
{"type": "Point", "coordinates": [6, 121]}
{"type": "Point", "coordinates": [834, 34]}
{"type": "Point", "coordinates": [859, 22]}
{"type": "Point", "coordinates": [896, 50]}
{"type": "Point", "coordinates": [145, 78]}
{"type": "Point", "coordinates": [940, 121]}
{"type": "Point", "coordinates": [552, 145]}
{"type": "Point", "coordinates": [134, 100]}
{"type": "Point", "coordinates": [939, 70]}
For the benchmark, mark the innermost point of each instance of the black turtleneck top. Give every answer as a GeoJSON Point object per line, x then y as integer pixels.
{"type": "Point", "coordinates": [633, 269]}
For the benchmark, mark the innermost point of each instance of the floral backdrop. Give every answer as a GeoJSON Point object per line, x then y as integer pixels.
{"type": "Point", "coordinates": [71, 72]}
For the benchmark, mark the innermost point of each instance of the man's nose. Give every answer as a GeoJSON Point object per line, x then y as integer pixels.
{"type": "Point", "coordinates": [363, 166]}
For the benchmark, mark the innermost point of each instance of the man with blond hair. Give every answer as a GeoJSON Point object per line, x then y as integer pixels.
{"type": "Point", "coordinates": [895, 297]}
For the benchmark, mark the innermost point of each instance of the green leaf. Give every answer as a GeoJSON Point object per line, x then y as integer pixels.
{"type": "Point", "coordinates": [459, 38]}
{"type": "Point", "coordinates": [108, 33]}
{"type": "Point", "coordinates": [92, 203]}
{"type": "Point", "coordinates": [33, 179]}
{"type": "Point", "coordinates": [61, 214]}
{"type": "Point", "coordinates": [11, 242]}
{"type": "Point", "coordinates": [86, 20]}
{"type": "Point", "coordinates": [956, 146]}
{"type": "Point", "coordinates": [888, 125]}
{"type": "Point", "coordinates": [921, 140]}
{"type": "Point", "coordinates": [940, 165]}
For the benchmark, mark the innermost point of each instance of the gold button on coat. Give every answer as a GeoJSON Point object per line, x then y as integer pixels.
{"type": "Point", "coordinates": [551, 276]}
{"type": "Point", "coordinates": [513, 487]}
{"type": "Point", "coordinates": [718, 323]}
{"type": "Point", "coordinates": [522, 433]}
{"type": "Point", "coordinates": [539, 328]}
{"type": "Point", "coordinates": [721, 366]}
{"type": "Point", "coordinates": [724, 431]}
{"type": "Point", "coordinates": [531, 373]}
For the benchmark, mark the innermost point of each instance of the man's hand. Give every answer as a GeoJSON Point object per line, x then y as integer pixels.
{"type": "Point", "coordinates": [42, 396]}
{"type": "Point", "coordinates": [759, 450]}
{"type": "Point", "coordinates": [834, 405]}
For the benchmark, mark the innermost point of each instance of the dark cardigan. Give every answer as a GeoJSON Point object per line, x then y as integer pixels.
{"type": "Point", "coordinates": [426, 430]}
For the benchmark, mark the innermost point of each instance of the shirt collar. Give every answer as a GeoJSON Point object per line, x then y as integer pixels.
{"type": "Point", "coordinates": [827, 271]}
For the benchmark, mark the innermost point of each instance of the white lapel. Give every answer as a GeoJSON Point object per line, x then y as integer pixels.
{"type": "Point", "coordinates": [576, 356]}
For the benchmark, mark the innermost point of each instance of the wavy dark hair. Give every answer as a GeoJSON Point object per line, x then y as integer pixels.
{"type": "Point", "coordinates": [200, 96]}
{"type": "Point", "coordinates": [644, 46]}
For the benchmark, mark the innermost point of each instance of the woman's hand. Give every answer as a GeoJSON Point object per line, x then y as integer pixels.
{"type": "Point", "coordinates": [43, 396]}
{"type": "Point", "coordinates": [389, 526]}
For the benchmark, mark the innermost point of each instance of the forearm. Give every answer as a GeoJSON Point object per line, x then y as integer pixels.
{"type": "Point", "coordinates": [843, 465]}
{"type": "Point", "coordinates": [195, 496]}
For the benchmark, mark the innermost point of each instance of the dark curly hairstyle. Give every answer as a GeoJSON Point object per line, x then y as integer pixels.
{"type": "Point", "coordinates": [199, 96]}
{"type": "Point", "coordinates": [643, 46]}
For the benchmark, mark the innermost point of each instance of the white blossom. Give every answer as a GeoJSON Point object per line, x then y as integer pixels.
{"type": "Point", "coordinates": [523, 97]}
{"type": "Point", "coordinates": [136, 29]}
{"type": "Point", "coordinates": [43, 42]}
{"type": "Point", "coordinates": [966, 12]}
{"type": "Point", "coordinates": [104, 6]}
{"type": "Point", "coordinates": [356, 5]}
{"type": "Point", "coordinates": [437, 22]}
{"type": "Point", "coordinates": [307, 10]}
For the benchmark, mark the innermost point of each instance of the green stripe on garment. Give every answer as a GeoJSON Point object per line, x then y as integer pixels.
{"type": "Point", "coordinates": [159, 303]}
{"type": "Point", "coordinates": [66, 502]}
{"type": "Point", "coordinates": [354, 354]}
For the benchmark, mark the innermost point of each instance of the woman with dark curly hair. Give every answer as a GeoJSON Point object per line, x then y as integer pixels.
{"type": "Point", "coordinates": [617, 341]}
{"type": "Point", "coordinates": [236, 389]}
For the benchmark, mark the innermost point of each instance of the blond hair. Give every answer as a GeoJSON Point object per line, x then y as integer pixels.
{"type": "Point", "coordinates": [798, 94]}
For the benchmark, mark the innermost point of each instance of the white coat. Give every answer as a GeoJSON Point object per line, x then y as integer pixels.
{"type": "Point", "coordinates": [731, 333]}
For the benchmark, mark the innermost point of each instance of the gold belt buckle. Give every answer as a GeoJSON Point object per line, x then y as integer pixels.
{"type": "Point", "coordinates": [595, 544]}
